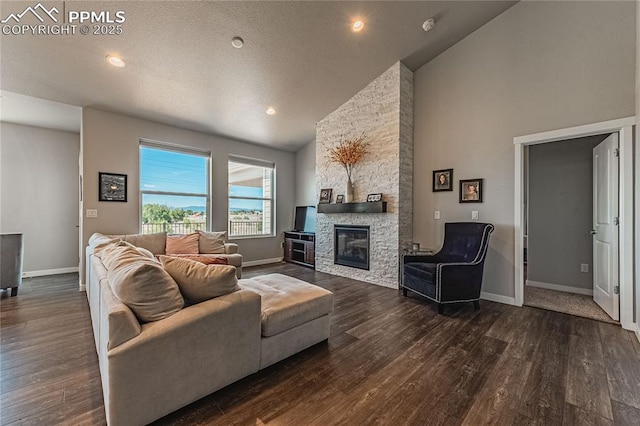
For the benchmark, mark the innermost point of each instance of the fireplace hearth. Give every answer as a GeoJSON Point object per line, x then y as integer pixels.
{"type": "Point", "coordinates": [351, 246]}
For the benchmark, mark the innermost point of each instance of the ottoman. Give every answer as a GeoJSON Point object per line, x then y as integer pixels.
{"type": "Point", "coordinates": [294, 315]}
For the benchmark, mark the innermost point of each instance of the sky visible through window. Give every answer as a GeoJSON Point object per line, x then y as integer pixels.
{"type": "Point", "coordinates": [170, 171]}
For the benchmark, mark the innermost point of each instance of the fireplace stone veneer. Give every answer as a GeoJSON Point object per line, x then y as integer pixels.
{"type": "Point", "coordinates": [384, 112]}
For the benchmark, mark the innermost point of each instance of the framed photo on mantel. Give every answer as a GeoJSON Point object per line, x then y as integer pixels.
{"type": "Point", "coordinates": [325, 196]}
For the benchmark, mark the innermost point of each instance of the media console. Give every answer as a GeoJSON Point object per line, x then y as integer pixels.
{"type": "Point", "coordinates": [300, 248]}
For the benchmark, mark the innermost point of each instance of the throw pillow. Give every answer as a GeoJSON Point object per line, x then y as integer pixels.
{"type": "Point", "coordinates": [207, 259]}
{"type": "Point", "coordinates": [182, 244]}
{"type": "Point", "coordinates": [199, 282]}
{"type": "Point", "coordinates": [141, 283]}
{"type": "Point", "coordinates": [155, 243]}
{"type": "Point", "coordinates": [212, 242]}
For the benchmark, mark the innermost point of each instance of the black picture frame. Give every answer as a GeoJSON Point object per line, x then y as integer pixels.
{"type": "Point", "coordinates": [340, 198]}
{"type": "Point", "coordinates": [372, 198]}
{"type": "Point", "coordinates": [112, 187]}
{"type": "Point", "coordinates": [471, 190]}
{"type": "Point", "coordinates": [325, 196]}
{"type": "Point", "coordinates": [440, 185]}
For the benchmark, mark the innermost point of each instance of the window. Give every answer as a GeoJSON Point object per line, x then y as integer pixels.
{"type": "Point", "coordinates": [251, 197]}
{"type": "Point", "coordinates": [174, 189]}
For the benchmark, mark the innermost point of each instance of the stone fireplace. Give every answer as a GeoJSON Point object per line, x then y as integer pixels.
{"type": "Point", "coordinates": [351, 246]}
{"type": "Point", "coordinates": [384, 112]}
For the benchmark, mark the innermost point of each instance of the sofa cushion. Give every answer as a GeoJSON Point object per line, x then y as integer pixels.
{"type": "Point", "coordinates": [155, 243]}
{"type": "Point", "coordinates": [182, 244]}
{"type": "Point", "coordinates": [288, 302]}
{"type": "Point", "coordinates": [207, 259]}
{"type": "Point", "coordinates": [98, 241]}
{"type": "Point", "coordinates": [141, 283]}
{"type": "Point", "coordinates": [199, 282]}
{"type": "Point", "coordinates": [212, 242]}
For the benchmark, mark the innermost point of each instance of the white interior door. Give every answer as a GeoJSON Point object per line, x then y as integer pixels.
{"type": "Point", "coordinates": [605, 226]}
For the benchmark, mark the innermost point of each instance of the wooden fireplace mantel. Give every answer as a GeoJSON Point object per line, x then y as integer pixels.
{"type": "Point", "coordinates": [370, 207]}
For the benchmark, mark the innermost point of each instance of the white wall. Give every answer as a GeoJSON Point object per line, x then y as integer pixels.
{"type": "Point", "coordinates": [637, 174]}
{"type": "Point", "coordinates": [539, 66]}
{"type": "Point", "coordinates": [561, 212]}
{"type": "Point", "coordinates": [39, 193]}
{"type": "Point", "coordinates": [306, 175]}
{"type": "Point", "coordinates": [110, 143]}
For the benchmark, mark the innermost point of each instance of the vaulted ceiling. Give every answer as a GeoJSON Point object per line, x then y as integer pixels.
{"type": "Point", "coordinates": [299, 57]}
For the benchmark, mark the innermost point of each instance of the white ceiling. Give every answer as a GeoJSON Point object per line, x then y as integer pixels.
{"type": "Point", "coordinates": [299, 57]}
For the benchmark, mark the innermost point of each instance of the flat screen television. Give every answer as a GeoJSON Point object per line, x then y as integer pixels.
{"type": "Point", "coordinates": [305, 219]}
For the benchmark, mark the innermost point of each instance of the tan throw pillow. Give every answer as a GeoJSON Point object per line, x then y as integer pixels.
{"type": "Point", "coordinates": [212, 242]}
{"type": "Point", "coordinates": [141, 283]}
{"type": "Point", "coordinates": [199, 282]}
{"type": "Point", "coordinates": [155, 243]}
{"type": "Point", "coordinates": [99, 241]}
{"type": "Point", "coordinates": [182, 244]}
{"type": "Point", "coordinates": [207, 259]}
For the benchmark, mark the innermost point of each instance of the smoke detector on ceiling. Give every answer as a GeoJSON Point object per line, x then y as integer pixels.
{"type": "Point", "coordinates": [237, 42]}
{"type": "Point", "coordinates": [429, 24]}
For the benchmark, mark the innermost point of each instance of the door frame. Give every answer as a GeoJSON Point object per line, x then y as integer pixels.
{"type": "Point", "coordinates": [624, 127]}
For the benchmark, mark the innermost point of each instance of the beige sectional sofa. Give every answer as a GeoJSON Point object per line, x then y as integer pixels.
{"type": "Point", "coordinates": [156, 244]}
{"type": "Point", "coordinates": [151, 369]}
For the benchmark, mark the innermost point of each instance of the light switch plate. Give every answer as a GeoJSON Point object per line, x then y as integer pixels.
{"type": "Point", "coordinates": [92, 213]}
{"type": "Point", "coordinates": [584, 267]}
{"type": "Point", "coordinates": [436, 214]}
{"type": "Point", "coordinates": [474, 215]}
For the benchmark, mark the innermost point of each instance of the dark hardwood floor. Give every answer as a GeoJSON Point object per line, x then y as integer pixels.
{"type": "Point", "coordinates": [390, 360]}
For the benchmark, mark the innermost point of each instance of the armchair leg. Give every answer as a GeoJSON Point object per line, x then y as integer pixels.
{"type": "Point", "coordinates": [440, 308]}
{"type": "Point", "coordinates": [476, 304]}
{"type": "Point", "coordinates": [404, 291]}
{"type": "Point", "coordinates": [14, 291]}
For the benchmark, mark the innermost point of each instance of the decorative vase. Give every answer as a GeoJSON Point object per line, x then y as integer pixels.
{"type": "Point", "coordinates": [348, 197]}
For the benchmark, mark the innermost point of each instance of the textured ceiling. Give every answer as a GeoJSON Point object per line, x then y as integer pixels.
{"type": "Point", "coordinates": [299, 57]}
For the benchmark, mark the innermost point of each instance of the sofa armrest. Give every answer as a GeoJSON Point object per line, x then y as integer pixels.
{"type": "Point", "coordinates": [460, 281]}
{"type": "Point", "coordinates": [184, 357]}
{"type": "Point", "coordinates": [230, 248]}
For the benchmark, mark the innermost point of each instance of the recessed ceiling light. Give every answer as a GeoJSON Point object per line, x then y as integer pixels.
{"type": "Point", "coordinates": [237, 42]}
{"type": "Point", "coordinates": [429, 24]}
{"type": "Point", "coordinates": [357, 26]}
{"type": "Point", "coordinates": [271, 111]}
{"type": "Point", "coordinates": [116, 61]}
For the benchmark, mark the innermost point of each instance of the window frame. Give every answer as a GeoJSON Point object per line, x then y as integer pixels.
{"type": "Point", "coordinates": [248, 161]}
{"type": "Point", "coordinates": [166, 146]}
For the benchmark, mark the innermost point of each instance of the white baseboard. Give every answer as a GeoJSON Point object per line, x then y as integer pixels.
{"type": "Point", "coordinates": [82, 287]}
{"type": "Point", "coordinates": [262, 262]}
{"type": "Point", "coordinates": [498, 298]}
{"type": "Point", "coordinates": [636, 330]}
{"type": "Point", "coordinates": [558, 287]}
{"type": "Point", "coordinates": [44, 272]}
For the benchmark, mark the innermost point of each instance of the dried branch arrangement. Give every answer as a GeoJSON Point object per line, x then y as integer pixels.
{"type": "Point", "coordinates": [349, 152]}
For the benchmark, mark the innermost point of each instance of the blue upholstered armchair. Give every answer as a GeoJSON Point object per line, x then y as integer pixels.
{"type": "Point", "coordinates": [454, 274]}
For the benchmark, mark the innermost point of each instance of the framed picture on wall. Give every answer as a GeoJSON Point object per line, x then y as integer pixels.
{"type": "Point", "coordinates": [112, 187]}
{"type": "Point", "coordinates": [443, 180]}
{"type": "Point", "coordinates": [340, 198]}
{"type": "Point", "coordinates": [325, 195]}
{"type": "Point", "coordinates": [471, 190]}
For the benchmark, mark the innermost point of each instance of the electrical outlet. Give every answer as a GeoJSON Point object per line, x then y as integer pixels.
{"type": "Point", "coordinates": [92, 212]}
{"type": "Point", "coordinates": [436, 214]}
{"type": "Point", "coordinates": [584, 267]}
{"type": "Point", "coordinates": [474, 215]}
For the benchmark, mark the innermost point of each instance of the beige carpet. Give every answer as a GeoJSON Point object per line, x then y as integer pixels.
{"type": "Point", "coordinates": [568, 303]}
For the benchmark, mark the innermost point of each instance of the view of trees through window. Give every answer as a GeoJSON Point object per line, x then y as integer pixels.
{"type": "Point", "coordinates": [174, 190]}
{"type": "Point", "coordinates": [250, 198]}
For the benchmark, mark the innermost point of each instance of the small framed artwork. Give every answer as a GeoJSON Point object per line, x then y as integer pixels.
{"type": "Point", "coordinates": [112, 187]}
{"type": "Point", "coordinates": [471, 190]}
{"type": "Point", "coordinates": [340, 198]}
{"type": "Point", "coordinates": [443, 180]}
{"type": "Point", "coordinates": [374, 197]}
{"type": "Point", "coordinates": [325, 196]}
